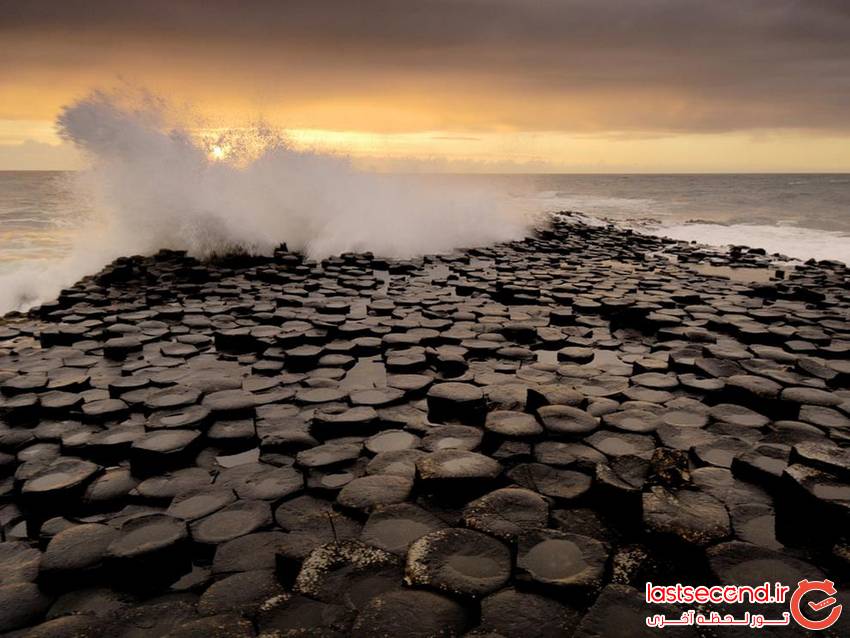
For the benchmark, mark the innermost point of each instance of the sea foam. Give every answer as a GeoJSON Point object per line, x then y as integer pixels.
{"type": "Point", "coordinates": [156, 183]}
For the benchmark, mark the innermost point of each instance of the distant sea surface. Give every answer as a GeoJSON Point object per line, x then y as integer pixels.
{"type": "Point", "coordinates": [802, 216]}
{"type": "Point", "coordinates": [799, 215]}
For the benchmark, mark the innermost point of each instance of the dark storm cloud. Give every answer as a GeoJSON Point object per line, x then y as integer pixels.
{"type": "Point", "coordinates": [636, 64]}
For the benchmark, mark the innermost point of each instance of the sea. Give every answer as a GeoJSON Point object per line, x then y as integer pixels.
{"type": "Point", "coordinates": [801, 216]}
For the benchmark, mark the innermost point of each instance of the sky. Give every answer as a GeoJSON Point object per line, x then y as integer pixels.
{"type": "Point", "coordinates": [455, 85]}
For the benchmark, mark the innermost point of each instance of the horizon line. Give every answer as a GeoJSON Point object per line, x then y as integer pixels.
{"type": "Point", "coordinates": [507, 173]}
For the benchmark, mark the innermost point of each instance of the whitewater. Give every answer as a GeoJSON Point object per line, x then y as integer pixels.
{"type": "Point", "coordinates": [154, 183]}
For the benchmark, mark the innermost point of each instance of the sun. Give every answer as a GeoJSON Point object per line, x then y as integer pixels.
{"type": "Point", "coordinates": [217, 152]}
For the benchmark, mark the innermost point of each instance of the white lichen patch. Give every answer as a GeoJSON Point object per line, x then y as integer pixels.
{"type": "Point", "coordinates": [332, 556]}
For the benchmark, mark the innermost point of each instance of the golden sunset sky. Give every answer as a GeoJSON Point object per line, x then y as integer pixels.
{"type": "Point", "coordinates": [461, 85]}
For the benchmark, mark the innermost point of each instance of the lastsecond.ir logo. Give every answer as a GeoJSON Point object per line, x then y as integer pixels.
{"type": "Point", "coordinates": [826, 587]}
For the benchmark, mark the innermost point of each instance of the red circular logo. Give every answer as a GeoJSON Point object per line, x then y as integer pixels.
{"type": "Point", "coordinates": [827, 587]}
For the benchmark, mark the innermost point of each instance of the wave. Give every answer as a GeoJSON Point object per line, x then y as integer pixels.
{"type": "Point", "coordinates": [158, 182]}
{"type": "Point", "coordinates": [792, 241]}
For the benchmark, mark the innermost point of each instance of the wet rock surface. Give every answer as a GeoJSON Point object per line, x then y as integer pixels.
{"type": "Point", "coordinates": [505, 441]}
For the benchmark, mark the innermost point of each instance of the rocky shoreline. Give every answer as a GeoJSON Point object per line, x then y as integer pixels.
{"type": "Point", "coordinates": [506, 441]}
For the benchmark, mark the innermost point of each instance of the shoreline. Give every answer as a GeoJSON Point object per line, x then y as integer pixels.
{"type": "Point", "coordinates": [285, 445]}
{"type": "Point", "coordinates": [725, 265]}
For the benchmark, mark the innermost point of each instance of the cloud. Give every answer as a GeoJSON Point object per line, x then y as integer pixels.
{"type": "Point", "coordinates": [571, 65]}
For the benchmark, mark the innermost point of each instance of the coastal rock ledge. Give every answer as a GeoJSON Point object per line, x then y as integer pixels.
{"type": "Point", "coordinates": [505, 441]}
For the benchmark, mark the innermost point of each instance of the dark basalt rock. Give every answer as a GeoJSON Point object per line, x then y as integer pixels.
{"type": "Point", "coordinates": [291, 615]}
{"type": "Point", "coordinates": [452, 437]}
{"type": "Point", "coordinates": [669, 468]}
{"type": "Point", "coordinates": [377, 398]}
{"type": "Point", "coordinates": [230, 403]}
{"type": "Point", "coordinates": [746, 564]}
{"type": "Point", "coordinates": [824, 456]}
{"type": "Point", "coordinates": [165, 487]}
{"type": "Point", "coordinates": [150, 550]}
{"type": "Point", "coordinates": [689, 516]}
{"type": "Point", "coordinates": [156, 618]}
{"type": "Point", "coordinates": [763, 464]}
{"type": "Point", "coordinates": [524, 424]}
{"type": "Point", "coordinates": [388, 615]}
{"type": "Point", "coordinates": [617, 444]}
{"type": "Point", "coordinates": [684, 418]}
{"type": "Point", "coordinates": [19, 563]}
{"type": "Point", "coordinates": [244, 593]}
{"type": "Point", "coordinates": [394, 528]}
{"type": "Point", "coordinates": [119, 348]}
{"type": "Point", "coordinates": [80, 626]}
{"type": "Point", "coordinates": [232, 521]}
{"type": "Point", "coordinates": [55, 488]}
{"type": "Point", "coordinates": [172, 397]}
{"type": "Point", "coordinates": [566, 420]}
{"type": "Point", "coordinates": [619, 607]}
{"type": "Point", "coordinates": [456, 473]}
{"type": "Point", "coordinates": [813, 494]}
{"type": "Point", "coordinates": [563, 485]}
{"type": "Point", "coordinates": [721, 452]}
{"type": "Point", "coordinates": [569, 564]}
{"type": "Point", "coordinates": [103, 410]}
{"type": "Point", "coordinates": [162, 450]}
{"type": "Point", "coordinates": [21, 604]}
{"type": "Point", "coordinates": [368, 492]}
{"type": "Point", "coordinates": [563, 454]}
{"type": "Point", "coordinates": [320, 395]}
{"type": "Point", "coordinates": [259, 481]}
{"type": "Point", "coordinates": [353, 422]}
{"type": "Point", "coordinates": [401, 463]}
{"type": "Point", "coordinates": [635, 420]}
{"type": "Point", "coordinates": [247, 553]}
{"type": "Point", "coordinates": [413, 385]}
{"type": "Point", "coordinates": [506, 513]}
{"type": "Point", "coordinates": [391, 441]}
{"type": "Point", "coordinates": [552, 394]}
{"type": "Point", "coordinates": [329, 455]}
{"type": "Point", "coordinates": [76, 554]}
{"type": "Point", "coordinates": [193, 505]}
{"type": "Point", "coordinates": [226, 625]}
{"type": "Point", "coordinates": [514, 613]}
{"type": "Point", "coordinates": [348, 570]}
{"type": "Point", "coordinates": [458, 562]}
{"type": "Point", "coordinates": [738, 415]}
{"type": "Point", "coordinates": [456, 402]}
{"type": "Point", "coordinates": [509, 424]}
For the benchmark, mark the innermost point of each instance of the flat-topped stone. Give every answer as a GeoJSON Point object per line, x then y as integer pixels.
{"type": "Point", "coordinates": [458, 562]}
